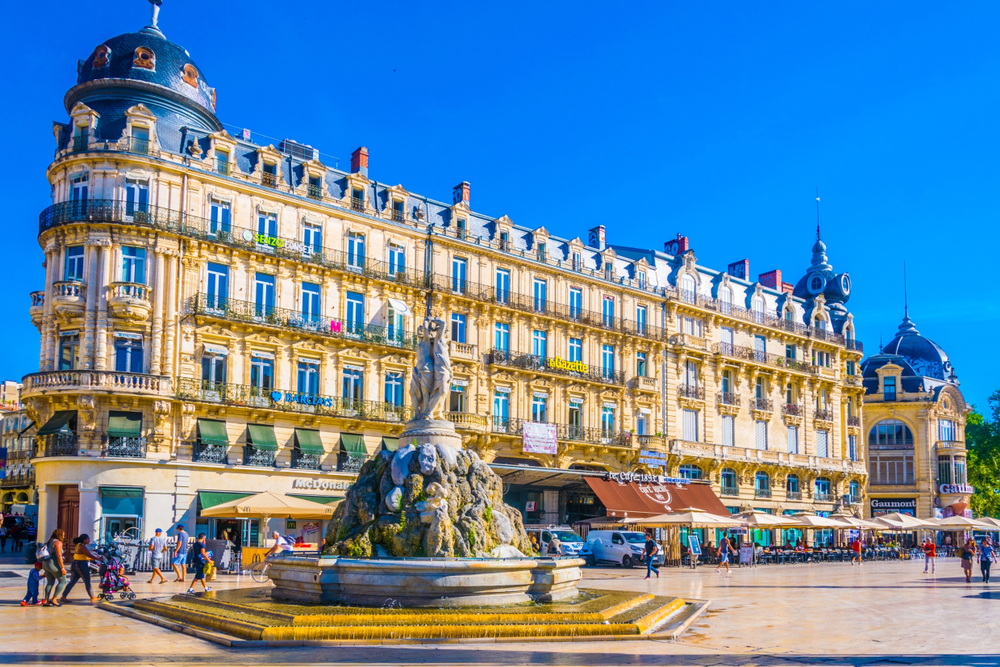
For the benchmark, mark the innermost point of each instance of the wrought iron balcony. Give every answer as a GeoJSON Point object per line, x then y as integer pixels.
{"type": "Point", "coordinates": [764, 404]}
{"type": "Point", "coordinates": [80, 143]}
{"type": "Point", "coordinates": [691, 391]}
{"type": "Point", "coordinates": [264, 458]}
{"type": "Point", "coordinates": [303, 461]}
{"type": "Point", "coordinates": [762, 493]}
{"type": "Point", "coordinates": [792, 410]}
{"type": "Point", "coordinates": [121, 447]}
{"type": "Point", "coordinates": [573, 433]}
{"type": "Point", "coordinates": [750, 354]}
{"type": "Point", "coordinates": [555, 366]}
{"type": "Point", "coordinates": [222, 167]}
{"type": "Point", "coordinates": [730, 491]}
{"type": "Point", "coordinates": [793, 495]}
{"type": "Point", "coordinates": [397, 215]}
{"type": "Point", "coordinates": [287, 401]}
{"type": "Point", "coordinates": [57, 444]}
{"type": "Point", "coordinates": [728, 398]}
{"type": "Point", "coordinates": [269, 179]}
{"type": "Point", "coordinates": [206, 452]}
{"type": "Point", "coordinates": [825, 415]}
{"type": "Point", "coordinates": [854, 344]}
{"type": "Point", "coordinates": [823, 497]}
{"type": "Point", "coordinates": [136, 145]}
{"type": "Point", "coordinates": [282, 318]}
{"type": "Point", "coordinates": [18, 479]}
{"type": "Point", "coordinates": [315, 191]}
{"type": "Point", "coordinates": [350, 462]}
{"type": "Point", "coordinates": [358, 204]}
{"type": "Point", "coordinates": [727, 309]}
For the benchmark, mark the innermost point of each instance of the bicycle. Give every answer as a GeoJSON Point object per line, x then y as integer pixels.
{"type": "Point", "coordinates": [259, 572]}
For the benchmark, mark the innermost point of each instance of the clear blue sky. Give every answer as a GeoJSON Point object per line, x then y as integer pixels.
{"type": "Point", "coordinates": [716, 120]}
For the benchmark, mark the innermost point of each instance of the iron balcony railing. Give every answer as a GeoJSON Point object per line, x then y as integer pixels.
{"type": "Point", "coordinates": [730, 491]}
{"type": "Point", "coordinates": [111, 211]}
{"type": "Point", "coordinates": [124, 447]}
{"type": "Point", "coordinates": [57, 444]}
{"type": "Point", "coordinates": [315, 191]}
{"type": "Point", "coordinates": [269, 179]}
{"type": "Point", "coordinates": [136, 145]}
{"type": "Point", "coordinates": [728, 398]}
{"type": "Point", "coordinates": [222, 167]}
{"type": "Point", "coordinates": [264, 458]}
{"type": "Point", "coordinates": [209, 452]}
{"type": "Point", "coordinates": [397, 215]}
{"type": "Point", "coordinates": [303, 461]}
{"type": "Point", "coordinates": [534, 362]}
{"type": "Point", "coordinates": [691, 391]}
{"type": "Point", "coordinates": [792, 410]}
{"type": "Point", "coordinates": [757, 317]}
{"type": "Point", "coordinates": [764, 404]}
{"type": "Point", "coordinates": [762, 493]}
{"type": "Point", "coordinates": [853, 420]}
{"type": "Point", "coordinates": [823, 497]}
{"type": "Point", "coordinates": [569, 432]}
{"type": "Point", "coordinates": [358, 204]}
{"type": "Point", "coordinates": [750, 354]}
{"type": "Point", "coordinates": [854, 344]}
{"type": "Point", "coordinates": [793, 495]}
{"type": "Point", "coordinates": [350, 462]}
{"type": "Point", "coordinates": [542, 306]}
{"type": "Point", "coordinates": [287, 401]}
{"type": "Point", "coordinates": [824, 415]}
{"type": "Point", "coordinates": [282, 318]}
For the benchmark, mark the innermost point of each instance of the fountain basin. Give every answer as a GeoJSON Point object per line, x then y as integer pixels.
{"type": "Point", "coordinates": [424, 582]}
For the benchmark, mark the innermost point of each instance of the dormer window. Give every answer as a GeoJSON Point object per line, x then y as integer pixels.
{"type": "Point", "coordinates": [577, 261]}
{"type": "Point", "coordinates": [358, 199]}
{"type": "Point", "coordinates": [140, 139]}
{"type": "Point", "coordinates": [315, 187]}
{"type": "Point", "coordinates": [461, 227]}
{"type": "Point", "coordinates": [816, 284]}
{"type": "Point", "coordinates": [398, 210]}
{"type": "Point", "coordinates": [609, 270]}
{"type": "Point", "coordinates": [642, 279]}
{"type": "Point", "coordinates": [102, 55]}
{"type": "Point", "coordinates": [541, 252]}
{"type": "Point", "coordinates": [144, 58]}
{"type": "Point", "coordinates": [81, 139]}
{"type": "Point", "coordinates": [889, 388]}
{"type": "Point", "coordinates": [505, 241]}
{"type": "Point", "coordinates": [222, 162]}
{"type": "Point", "coordinates": [190, 74]}
{"type": "Point", "coordinates": [270, 174]}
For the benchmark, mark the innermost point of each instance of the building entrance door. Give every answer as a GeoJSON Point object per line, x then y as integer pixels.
{"type": "Point", "coordinates": [69, 514]}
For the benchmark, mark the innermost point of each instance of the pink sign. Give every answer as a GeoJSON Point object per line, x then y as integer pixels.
{"type": "Point", "coordinates": [539, 438]}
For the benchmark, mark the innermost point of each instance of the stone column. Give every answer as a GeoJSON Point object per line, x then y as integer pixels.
{"type": "Point", "coordinates": [101, 342]}
{"type": "Point", "coordinates": [158, 285]}
{"type": "Point", "coordinates": [46, 354]}
{"type": "Point", "coordinates": [90, 513]}
{"type": "Point", "coordinates": [87, 344]}
{"type": "Point", "coordinates": [170, 284]}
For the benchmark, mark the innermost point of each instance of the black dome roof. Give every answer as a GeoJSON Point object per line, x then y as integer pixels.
{"type": "Point", "coordinates": [148, 57]}
{"type": "Point", "coordinates": [923, 356]}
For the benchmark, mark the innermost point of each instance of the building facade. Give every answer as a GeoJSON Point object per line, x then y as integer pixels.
{"type": "Point", "coordinates": [222, 316]}
{"type": "Point", "coordinates": [17, 485]}
{"type": "Point", "coordinates": [915, 416]}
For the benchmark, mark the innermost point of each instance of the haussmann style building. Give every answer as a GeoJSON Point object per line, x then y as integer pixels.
{"type": "Point", "coordinates": [222, 316]}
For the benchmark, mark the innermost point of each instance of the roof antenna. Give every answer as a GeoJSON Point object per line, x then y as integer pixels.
{"type": "Point", "coordinates": [817, 213]}
{"type": "Point", "coordinates": [880, 346]}
{"type": "Point", "coordinates": [906, 304]}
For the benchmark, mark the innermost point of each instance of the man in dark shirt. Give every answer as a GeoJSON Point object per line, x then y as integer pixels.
{"type": "Point", "coordinates": [200, 559]}
{"type": "Point", "coordinates": [651, 549]}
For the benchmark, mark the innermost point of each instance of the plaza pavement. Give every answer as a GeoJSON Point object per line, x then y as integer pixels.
{"type": "Point", "coordinates": [829, 614]}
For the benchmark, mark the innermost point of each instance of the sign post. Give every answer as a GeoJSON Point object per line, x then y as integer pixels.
{"type": "Point", "coordinates": [695, 545]}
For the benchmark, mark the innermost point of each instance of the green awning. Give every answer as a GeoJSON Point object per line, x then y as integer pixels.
{"type": "Point", "coordinates": [124, 424]}
{"type": "Point", "coordinates": [209, 499]}
{"type": "Point", "coordinates": [390, 444]}
{"type": "Point", "coordinates": [262, 437]}
{"type": "Point", "coordinates": [353, 444]}
{"type": "Point", "coordinates": [213, 432]}
{"type": "Point", "coordinates": [120, 492]}
{"type": "Point", "coordinates": [309, 442]}
{"type": "Point", "coordinates": [56, 422]}
{"type": "Point", "coordinates": [323, 500]}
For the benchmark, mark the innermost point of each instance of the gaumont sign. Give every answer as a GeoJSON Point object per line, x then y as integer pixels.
{"type": "Point", "coordinates": [962, 489]}
{"type": "Point", "coordinates": [321, 484]}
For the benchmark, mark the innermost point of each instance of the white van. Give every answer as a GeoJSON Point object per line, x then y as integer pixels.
{"type": "Point", "coordinates": [621, 547]}
{"type": "Point", "coordinates": [572, 544]}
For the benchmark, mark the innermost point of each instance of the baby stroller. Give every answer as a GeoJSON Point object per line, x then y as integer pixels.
{"type": "Point", "coordinates": [113, 579]}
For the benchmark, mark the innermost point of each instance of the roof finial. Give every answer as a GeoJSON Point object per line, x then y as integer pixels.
{"type": "Point", "coordinates": [880, 345]}
{"type": "Point", "coordinates": [155, 6]}
{"type": "Point", "coordinates": [906, 304]}
{"type": "Point", "coordinates": [817, 213]}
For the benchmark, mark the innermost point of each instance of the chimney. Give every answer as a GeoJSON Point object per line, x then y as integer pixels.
{"type": "Point", "coordinates": [788, 288]}
{"type": "Point", "coordinates": [461, 193]}
{"type": "Point", "coordinates": [740, 269]}
{"type": "Point", "coordinates": [677, 247]}
{"type": "Point", "coordinates": [595, 237]}
{"type": "Point", "coordinates": [771, 279]}
{"type": "Point", "coordinates": [359, 161]}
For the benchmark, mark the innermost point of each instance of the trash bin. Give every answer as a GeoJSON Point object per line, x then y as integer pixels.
{"type": "Point", "coordinates": [29, 552]}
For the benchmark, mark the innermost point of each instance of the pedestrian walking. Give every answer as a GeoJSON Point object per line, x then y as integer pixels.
{"type": "Point", "coordinates": [652, 548]}
{"type": "Point", "coordinates": [157, 549]}
{"type": "Point", "coordinates": [200, 559]}
{"type": "Point", "coordinates": [180, 554]}
{"type": "Point", "coordinates": [51, 555]}
{"type": "Point", "coordinates": [725, 549]}
{"type": "Point", "coordinates": [930, 554]}
{"type": "Point", "coordinates": [856, 551]}
{"type": "Point", "coordinates": [987, 556]}
{"type": "Point", "coordinates": [555, 545]}
{"type": "Point", "coordinates": [34, 580]}
{"type": "Point", "coordinates": [80, 570]}
{"type": "Point", "coordinates": [968, 554]}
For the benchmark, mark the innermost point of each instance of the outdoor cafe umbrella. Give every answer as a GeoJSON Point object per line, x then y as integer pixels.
{"type": "Point", "coordinates": [905, 522]}
{"type": "Point", "coordinates": [816, 521]}
{"type": "Point", "coordinates": [763, 520]}
{"type": "Point", "coordinates": [690, 516]}
{"type": "Point", "coordinates": [269, 505]}
{"type": "Point", "coordinates": [962, 523]}
{"type": "Point", "coordinates": [855, 522]}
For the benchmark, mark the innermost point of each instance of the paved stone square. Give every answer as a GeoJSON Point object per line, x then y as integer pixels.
{"type": "Point", "coordinates": [831, 614]}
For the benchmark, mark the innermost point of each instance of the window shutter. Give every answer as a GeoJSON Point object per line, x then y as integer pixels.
{"type": "Point", "coordinates": [822, 443]}
{"type": "Point", "coordinates": [691, 425]}
{"type": "Point", "coordinates": [761, 434]}
{"type": "Point", "coordinates": [727, 431]}
{"type": "Point", "coordinates": [793, 440]}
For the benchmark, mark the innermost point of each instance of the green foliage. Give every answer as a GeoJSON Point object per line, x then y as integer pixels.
{"type": "Point", "coordinates": [488, 514]}
{"type": "Point", "coordinates": [342, 531]}
{"type": "Point", "coordinates": [355, 550]}
{"type": "Point", "coordinates": [471, 537]}
{"type": "Point", "coordinates": [402, 521]}
{"type": "Point", "coordinates": [422, 496]}
{"type": "Point", "coordinates": [982, 440]}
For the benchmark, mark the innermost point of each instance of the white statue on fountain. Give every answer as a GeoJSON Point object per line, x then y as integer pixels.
{"type": "Point", "coordinates": [429, 388]}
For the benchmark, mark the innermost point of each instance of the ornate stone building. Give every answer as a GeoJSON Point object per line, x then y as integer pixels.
{"type": "Point", "coordinates": [222, 315]}
{"type": "Point", "coordinates": [915, 416]}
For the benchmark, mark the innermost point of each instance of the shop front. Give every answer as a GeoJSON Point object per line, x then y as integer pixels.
{"type": "Point", "coordinates": [548, 496]}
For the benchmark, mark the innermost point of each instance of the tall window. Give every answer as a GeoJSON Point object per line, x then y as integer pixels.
{"type": "Point", "coordinates": [539, 344]}
{"type": "Point", "coordinates": [762, 483]}
{"type": "Point", "coordinates": [310, 303]}
{"type": "Point", "coordinates": [641, 423]}
{"type": "Point", "coordinates": [688, 289]}
{"type": "Point", "coordinates": [890, 434]}
{"type": "Point", "coordinates": [133, 265]}
{"type": "Point", "coordinates": [213, 367]}
{"type": "Point", "coordinates": [758, 309]}
{"type": "Point", "coordinates": [501, 410]}
{"type": "Point", "coordinates": [823, 444]}
{"type": "Point", "coordinates": [539, 408]}
{"type": "Point", "coordinates": [263, 295]}
{"type": "Point", "coordinates": [459, 269]}
{"type": "Point", "coordinates": [727, 385]}
{"type": "Point", "coordinates": [575, 302]}
{"type": "Point", "coordinates": [78, 194]}
{"type": "Point", "coordinates": [690, 374]}
{"type": "Point", "coordinates": [760, 348]}
{"type": "Point", "coordinates": [607, 421]}
{"type": "Point", "coordinates": [575, 417]}
{"type": "Point", "coordinates": [760, 433]}
{"type": "Point", "coordinates": [355, 316]}
{"type": "Point", "coordinates": [456, 399]}
{"type": "Point", "coordinates": [397, 259]}
{"type": "Point", "coordinates": [727, 340]}
{"type": "Point", "coordinates": [308, 377]}
{"type": "Point", "coordinates": [136, 196]}
{"type": "Point", "coordinates": [503, 286]}
{"type": "Point", "coordinates": [394, 388]}
{"type": "Point", "coordinates": [608, 360]}
{"type": "Point", "coordinates": [74, 263]}
{"type": "Point", "coordinates": [946, 430]}
{"type": "Point", "coordinates": [312, 237]}
{"type": "Point", "coordinates": [852, 447]}
{"type": "Point", "coordinates": [261, 372]}
{"type": "Point", "coordinates": [505, 241]}
{"type": "Point", "coordinates": [217, 285]}
{"type": "Point", "coordinates": [69, 348]}
{"type": "Point", "coordinates": [855, 492]}
{"type": "Point", "coordinates": [729, 480]}
{"type": "Point", "coordinates": [355, 250]}
{"type": "Point", "coordinates": [458, 327]}
{"type": "Point", "coordinates": [726, 300]}
{"type": "Point", "coordinates": [690, 471]}
{"type": "Point", "coordinates": [267, 224]}
{"type": "Point", "coordinates": [691, 326]}
{"type": "Point", "coordinates": [576, 349]}
{"type": "Point", "coordinates": [608, 311]}
{"type": "Point", "coordinates": [689, 425]}
{"type": "Point", "coordinates": [640, 364]}
{"type": "Point", "coordinates": [728, 431]}
{"type": "Point", "coordinates": [889, 388]}
{"type": "Point", "coordinates": [759, 390]}
{"type": "Point", "coordinates": [792, 484]}
{"type": "Point", "coordinates": [541, 252]}
{"type": "Point", "coordinates": [822, 487]}
{"type": "Point", "coordinates": [793, 439]}
{"type": "Point", "coordinates": [790, 394]}
{"type": "Point", "coordinates": [353, 384]}
{"type": "Point", "coordinates": [577, 261]}
{"type": "Point", "coordinates": [395, 321]}
{"type": "Point", "coordinates": [540, 294]}
{"type": "Point", "coordinates": [641, 276]}
{"type": "Point", "coordinates": [220, 218]}
{"type": "Point", "coordinates": [640, 320]}
{"type": "Point", "coordinates": [502, 336]}
{"type": "Point", "coordinates": [791, 350]}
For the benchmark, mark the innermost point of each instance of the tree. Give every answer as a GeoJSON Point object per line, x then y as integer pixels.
{"type": "Point", "coordinates": [982, 440]}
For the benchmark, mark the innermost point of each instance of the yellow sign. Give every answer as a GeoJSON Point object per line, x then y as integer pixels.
{"type": "Point", "coordinates": [562, 364]}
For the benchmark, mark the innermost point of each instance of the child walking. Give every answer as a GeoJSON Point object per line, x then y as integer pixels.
{"type": "Point", "coordinates": [34, 579]}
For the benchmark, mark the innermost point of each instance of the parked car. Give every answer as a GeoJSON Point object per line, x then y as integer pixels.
{"type": "Point", "coordinates": [572, 544]}
{"type": "Point", "coordinates": [621, 547]}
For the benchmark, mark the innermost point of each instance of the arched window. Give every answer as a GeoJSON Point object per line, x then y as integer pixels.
{"type": "Point", "coordinates": [890, 434]}
{"type": "Point", "coordinates": [688, 471]}
{"type": "Point", "coordinates": [823, 489]}
{"type": "Point", "coordinates": [792, 484]}
{"type": "Point", "coordinates": [688, 289]}
{"type": "Point", "coordinates": [758, 309]}
{"type": "Point", "coordinates": [726, 300]}
{"type": "Point", "coordinates": [729, 482]}
{"type": "Point", "coordinates": [820, 323]}
{"type": "Point", "coordinates": [762, 485]}
{"type": "Point", "coordinates": [855, 492]}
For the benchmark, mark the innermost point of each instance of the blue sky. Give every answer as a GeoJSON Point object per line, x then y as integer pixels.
{"type": "Point", "coordinates": [715, 120]}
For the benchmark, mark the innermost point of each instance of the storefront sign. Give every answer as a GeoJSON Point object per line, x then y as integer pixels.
{"type": "Point", "coordinates": [882, 506]}
{"type": "Point", "coordinates": [562, 364]}
{"type": "Point", "coordinates": [653, 463]}
{"type": "Point", "coordinates": [653, 455]}
{"type": "Point", "coordinates": [640, 478]}
{"type": "Point", "coordinates": [529, 506]}
{"type": "Point", "coordinates": [963, 489]}
{"type": "Point", "coordinates": [539, 438]}
{"type": "Point", "coordinates": [321, 484]}
{"type": "Point", "coordinates": [301, 399]}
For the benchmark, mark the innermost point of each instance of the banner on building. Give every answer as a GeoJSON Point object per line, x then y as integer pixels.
{"type": "Point", "coordinates": [539, 438]}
